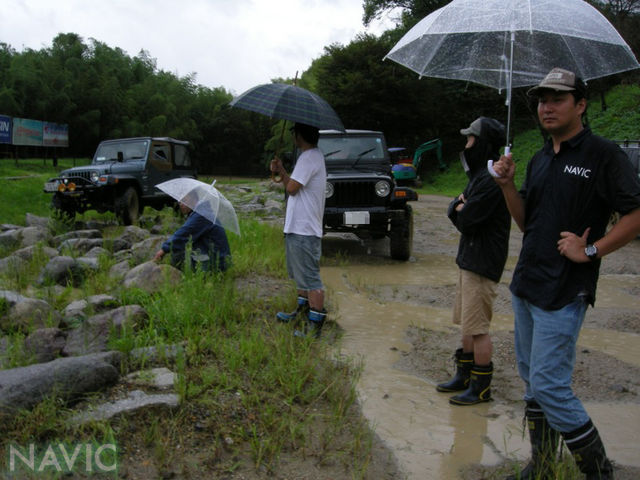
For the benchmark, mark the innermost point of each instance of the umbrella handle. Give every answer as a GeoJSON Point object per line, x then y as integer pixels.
{"type": "Point", "coordinates": [275, 176]}
{"type": "Point", "coordinates": [492, 172]}
{"type": "Point", "coordinates": [490, 169]}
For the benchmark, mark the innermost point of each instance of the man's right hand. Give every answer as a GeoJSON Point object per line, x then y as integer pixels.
{"type": "Point", "coordinates": [276, 165]}
{"type": "Point", "coordinates": [506, 169]}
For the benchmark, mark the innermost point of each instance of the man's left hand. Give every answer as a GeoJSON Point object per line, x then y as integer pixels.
{"type": "Point", "coordinates": [572, 246]}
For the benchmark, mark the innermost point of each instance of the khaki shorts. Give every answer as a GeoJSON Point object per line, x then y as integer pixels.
{"type": "Point", "coordinates": [473, 307]}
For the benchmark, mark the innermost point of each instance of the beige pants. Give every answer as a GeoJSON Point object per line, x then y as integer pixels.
{"type": "Point", "coordinates": [473, 307]}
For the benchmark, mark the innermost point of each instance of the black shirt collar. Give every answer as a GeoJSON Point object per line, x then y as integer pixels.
{"type": "Point", "coordinates": [572, 143]}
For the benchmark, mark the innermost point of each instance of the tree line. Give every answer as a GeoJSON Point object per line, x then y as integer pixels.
{"type": "Point", "coordinates": [101, 92]}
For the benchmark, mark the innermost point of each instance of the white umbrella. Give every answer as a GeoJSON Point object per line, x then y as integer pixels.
{"type": "Point", "coordinates": [203, 199]}
{"type": "Point", "coordinates": [506, 44]}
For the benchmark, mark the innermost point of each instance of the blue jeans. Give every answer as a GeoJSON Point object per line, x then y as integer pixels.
{"type": "Point", "coordinates": [545, 343]}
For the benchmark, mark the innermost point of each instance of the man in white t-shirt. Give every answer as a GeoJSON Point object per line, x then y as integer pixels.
{"type": "Point", "coordinates": [303, 227]}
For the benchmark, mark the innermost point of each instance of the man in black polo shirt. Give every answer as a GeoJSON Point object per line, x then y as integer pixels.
{"type": "Point", "coordinates": [572, 186]}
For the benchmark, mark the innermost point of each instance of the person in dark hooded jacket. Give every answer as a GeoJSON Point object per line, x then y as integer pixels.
{"type": "Point", "coordinates": [481, 215]}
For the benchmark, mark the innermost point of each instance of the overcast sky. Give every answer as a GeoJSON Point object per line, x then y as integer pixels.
{"type": "Point", "coordinates": [235, 44]}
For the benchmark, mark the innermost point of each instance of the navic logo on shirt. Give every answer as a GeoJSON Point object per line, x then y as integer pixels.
{"type": "Point", "coordinates": [579, 171]}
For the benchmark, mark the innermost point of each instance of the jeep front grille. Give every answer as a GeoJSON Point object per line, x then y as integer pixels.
{"type": "Point", "coordinates": [85, 175]}
{"type": "Point", "coordinates": [354, 194]}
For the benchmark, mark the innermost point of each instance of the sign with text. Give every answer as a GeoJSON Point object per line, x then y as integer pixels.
{"type": "Point", "coordinates": [55, 134]}
{"type": "Point", "coordinates": [27, 132]}
{"type": "Point", "coordinates": [5, 129]}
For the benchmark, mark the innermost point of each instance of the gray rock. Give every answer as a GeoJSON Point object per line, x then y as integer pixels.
{"type": "Point", "coordinates": [135, 401]}
{"type": "Point", "coordinates": [161, 378]}
{"type": "Point", "coordinates": [29, 236]}
{"type": "Point", "coordinates": [9, 226]}
{"type": "Point", "coordinates": [76, 309]}
{"type": "Point", "coordinates": [66, 378]}
{"type": "Point", "coordinates": [45, 344]}
{"type": "Point", "coordinates": [119, 270]}
{"type": "Point", "coordinates": [10, 238]}
{"type": "Point", "coordinates": [134, 234]}
{"type": "Point", "coordinates": [92, 305]}
{"type": "Point", "coordinates": [62, 270]}
{"type": "Point", "coordinates": [93, 335]}
{"type": "Point", "coordinates": [95, 252]}
{"type": "Point", "coordinates": [89, 233]}
{"type": "Point", "coordinates": [151, 276]}
{"type": "Point", "coordinates": [81, 245]}
{"type": "Point", "coordinates": [12, 264]}
{"type": "Point", "coordinates": [27, 253]}
{"type": "Point", "coordinates": [89, 263]}
{"type": "Point", "coordinates": [102, 302]}
{"type": "Point", "coordinates": [28, 314]}
{"type": "Point", "coordinates": [11, 297]}
{"type": "Point", "coordinates": [35, 221]}
{"type": "Point", "coordinates": [143, 251]}
{"type": "Point", "coordinates": [117, 244]}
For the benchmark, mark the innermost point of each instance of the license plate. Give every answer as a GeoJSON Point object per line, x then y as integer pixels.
{"type": "Point", "coordinates": [356, 218]}
{"type": "Point", "coordinates": [51, 187]}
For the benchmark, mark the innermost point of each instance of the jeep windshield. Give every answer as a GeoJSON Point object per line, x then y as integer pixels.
{"type": "Point", "coordinates": [352, 149]}
{"type": "Point", "coordinates": [108, 152]}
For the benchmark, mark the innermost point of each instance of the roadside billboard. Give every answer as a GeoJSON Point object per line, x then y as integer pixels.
{"type": "Point", "coordinates": [5, 129]}
{"type": "Point", "coordinates": [27, 132]}
{"type": "Point", "coordinates": [55, 134]}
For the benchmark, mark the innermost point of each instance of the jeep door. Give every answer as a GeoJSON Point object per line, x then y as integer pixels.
{"type": "Point", "coordinates": [159, 167]}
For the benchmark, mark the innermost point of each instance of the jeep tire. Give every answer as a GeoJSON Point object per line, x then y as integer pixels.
{"type": "Point", "coordinates": [401, 235]}
{"type": "Point", "coordinates": [128, 206]}
{"type": "Point", "coordinates": [63, 207]}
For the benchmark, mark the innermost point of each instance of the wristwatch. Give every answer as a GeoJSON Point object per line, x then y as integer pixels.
{"type": "Point", "coordinates": [591, 251]}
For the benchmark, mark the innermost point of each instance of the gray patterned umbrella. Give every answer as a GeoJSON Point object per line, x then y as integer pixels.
{"type": "Point", "coordinates": [288, 102]}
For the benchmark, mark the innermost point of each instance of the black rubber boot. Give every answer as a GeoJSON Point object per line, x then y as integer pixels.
{"type": "Point", "coordinates": [479, 386]}
{"type": "Point", "coordinates": [588, 451]}
{"type": "Point", "coordinates": [544, 445]}
{"type": "Point", "coordinates": [313, 325]}
{"type": "Point", "coordinates": [303, 308]}
{"type": "Point", "coordinates": [460, 381]}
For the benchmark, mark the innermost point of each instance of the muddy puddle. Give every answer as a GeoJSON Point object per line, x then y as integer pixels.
{"type": "Point", "coordinates": [430, 438]}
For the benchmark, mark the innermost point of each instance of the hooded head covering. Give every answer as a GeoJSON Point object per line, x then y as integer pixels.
{"type": "Point", "coordinates": [490, 136]}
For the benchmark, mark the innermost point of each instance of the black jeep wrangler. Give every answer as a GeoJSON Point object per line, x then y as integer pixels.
{"type": "Point", "coordinates": [362, 196]}
{"type": "Point", "coordinates": [122, 177]}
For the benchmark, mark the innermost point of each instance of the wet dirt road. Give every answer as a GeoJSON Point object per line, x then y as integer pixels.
{"type": "Point", "coordinates": [430, 438]}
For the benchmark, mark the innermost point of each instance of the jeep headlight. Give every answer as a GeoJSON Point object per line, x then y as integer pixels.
{"type": "Point", "coordinates": [382, 188]}
{"type": "Point", "coordinates": [94, 176]}
{"type": "Point", "coordinates": [329, 190]}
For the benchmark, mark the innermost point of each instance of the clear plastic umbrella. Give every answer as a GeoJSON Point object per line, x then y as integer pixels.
{"type": "Point", "coordinates": [204, 199]}
{"type": "Point", "coordinates": [507, 44]}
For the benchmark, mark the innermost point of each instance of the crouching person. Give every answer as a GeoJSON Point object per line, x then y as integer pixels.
{"type": "Point", "coordinates": [209, 244]}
